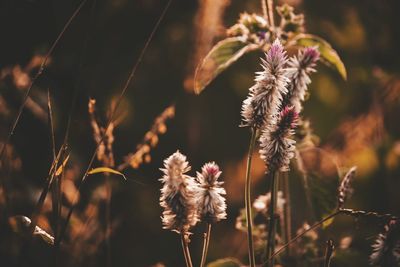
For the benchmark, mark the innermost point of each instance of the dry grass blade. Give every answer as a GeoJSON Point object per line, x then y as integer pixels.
{"type": "Point", "coordinates": [123, 91]}
{"type": "Point", "coordinates": [150, 140]}
{"type": "Point", "coordinates": [345, 188]}
{"type": "Point", "coordinates": [39, 72]}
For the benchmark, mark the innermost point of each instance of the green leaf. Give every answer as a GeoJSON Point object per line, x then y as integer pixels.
{"type": "Point", "coordinates": [221, 56]}
{"type": "Point", "coordinates": [106, 170]}
{"type": "Point", "coordinates": [227, 262]}
{"type": "Point", "coordinates": [321, 180]}
{"type": "Point", "coordinates": [328, 55]}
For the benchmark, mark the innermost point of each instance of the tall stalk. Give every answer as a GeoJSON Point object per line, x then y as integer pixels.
{"type": "Point", "coordinates": [264, 8]}
{"type": "Point", "coordinates": [206, 242]}
{"type": "Point", "coordinates": [287, 210]}
{"type": "Point", "coordinates": [186, 252]}
{"type": "Point", "coordinates": [249, 217]}
{"type": "Point", "coordinates": [272, 219]}
{"type": "Point", "coordinates": [271, 13]}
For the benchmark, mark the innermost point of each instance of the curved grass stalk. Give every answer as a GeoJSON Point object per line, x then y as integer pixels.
{"type": "Point", "coordinates": [247, 193]}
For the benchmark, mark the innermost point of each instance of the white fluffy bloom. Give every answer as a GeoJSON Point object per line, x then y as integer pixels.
{"type": "Point", "coordinates": [210, 199]}
{"type": "Point", "coordinates": [277, 148]}
{"type": "Point", "coordinates": [386, 249]}
{"type": "Point", "coordinates": [178, 195]}
{"type": "Point", "coordinates": [265, 96]}
{"type": "Point", "coordinates": [298, 71]}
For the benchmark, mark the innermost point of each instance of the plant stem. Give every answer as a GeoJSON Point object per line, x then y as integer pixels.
{"type": "Point", "coordinates": [288, 211]}
{"type": "Point", "coordinates": [205, 245]}
{"type": "Point", "coordinates": [272, 219]}
{"type": "Point", "coordinates": [264, 8]}
{"type": "Point", "coordinates": [271, 13]}
{"type": "Point", "coordinates": [186, 251]}
{"type": "Point", "coordinates": [249, 217]}
{"type": "Point", "coordinates": [329, 253]}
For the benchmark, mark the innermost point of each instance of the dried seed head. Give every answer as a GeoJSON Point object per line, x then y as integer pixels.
{"type": "Point", "coordinates": [266, 95]}
{"type": "Point", "coordinates": [298, 71]}
{"type": "Point", "coordinates": [178, 195]}
{"type": "Point", "coordinates": [277, 147]}
{"type": "Point", "coordinates": [386, 250]}
{"type": "Point", "coordinates": [345, 190]}
{"type": "Point", "coordinates": [210, 199]}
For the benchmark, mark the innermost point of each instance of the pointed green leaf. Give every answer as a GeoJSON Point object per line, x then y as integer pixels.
{"type": "Point", "coordinates": [221, 56]}
{"type": "Point", "coordinates": [227, 262]}
{"type": "Point", "coordinates": [328, 55]}
{"type": "Point", "coordinates": [106, 170]}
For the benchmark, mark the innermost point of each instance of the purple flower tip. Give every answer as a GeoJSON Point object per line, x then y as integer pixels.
{"type": "Point", "coordinates": [288, 118]}
{"type": "Point", "coordinates": [311, 55]}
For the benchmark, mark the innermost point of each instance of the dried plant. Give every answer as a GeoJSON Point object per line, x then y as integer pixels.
{"type": "Point", "coordinates": [150, 140]}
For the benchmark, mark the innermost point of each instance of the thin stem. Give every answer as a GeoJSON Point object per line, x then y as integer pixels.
{"type": "Point", "coordinates": [329, 252]}
{"type": "Point", "coordinates": [249, 217]}
{"type": "Point", "coordinates": [271, 13]}
{"type": "Point", "coordinates": [186, 251]}
{"type": "Point", "coordinates": [272, 218]}
{"type": "Point", "coordinates": [287, 210]}
{"type": "Point", "coordinates": [111, 119]}
{"type": "Point", "coordinates": [206, 242]}
{"type": "Point", "coordinates": [304, 232]}
{"type": "Point", "coordinates": [264, 8]}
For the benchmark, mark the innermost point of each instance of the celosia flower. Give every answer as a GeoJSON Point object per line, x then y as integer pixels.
{"type": "Point", "coordinates": [386, 250]}
{"type": "Point", "coordinates": [265, 96]}
{"type": "Point", "coordinates": [298, 71]}
{"type": "Point", "coordinates": [211, 203]}
{"type": "Point", "coordinates": [178, 195]}
{"type": "Point", "coordinates": [277, 148]}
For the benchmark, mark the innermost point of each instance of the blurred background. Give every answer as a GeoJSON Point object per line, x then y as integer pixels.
{"type": "Point", "coordinates": [356, 120]}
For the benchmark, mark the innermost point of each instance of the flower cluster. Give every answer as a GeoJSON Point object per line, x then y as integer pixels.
{"type": "Point", "coordinates": [211, 203]}
{"type": "Point", "coordinates": [266, 95]}
{"type": "Point", "coordinates": [275, 100]}
{"type": "Point", "coordinates": [298, 71]}
{"type": "Point", "coordinates": [276, 145]}
{"type": "Point", "coordinates": [187, 200]}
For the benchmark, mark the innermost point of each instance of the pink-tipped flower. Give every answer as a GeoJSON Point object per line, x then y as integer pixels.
{"type": "Point", "coordinates": [178, 195]}
{"type": "Point", "coordinates": [298, 71]}
{"type": "Point", "coordinates": [266, 95]}
{"type": "Point", "coordinates": [277, 147]}
{"type": "Point", "coordinates": [210, 199]}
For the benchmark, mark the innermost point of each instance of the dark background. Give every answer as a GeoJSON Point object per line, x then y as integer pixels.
{"type": "Point", "coordinates": [95, 56]}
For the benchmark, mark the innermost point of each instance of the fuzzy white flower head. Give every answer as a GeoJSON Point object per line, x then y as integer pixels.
{"type": "Point", "coordinates": [298, 71]}
{"type": "Point", "coordinates": [178, 195]}
{"type": "Point", "coordinates": [277, 147]}
{"type": "Point", "coordinates": [210, 199]}
{"type": "Point", "coordinates": [262, 203]}
{"type": "Point", "coordinates": [265, 96]}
